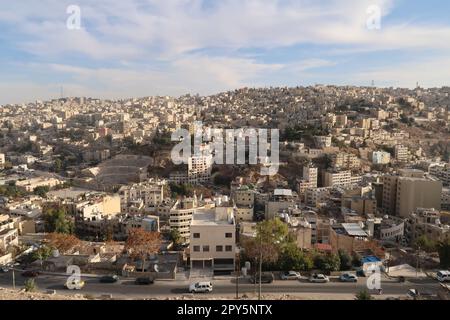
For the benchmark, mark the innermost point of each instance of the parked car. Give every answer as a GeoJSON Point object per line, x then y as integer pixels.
{"type": "Point", "coordinates": [30, 274]}
{"type": "Point", "coordinates": [319, 278]}
{"type": "Point", "coordinates": [75, 285]}
{"type": "Point", "coordinates": [348, 277]}
{"type": "Point", "coordinates": [266, 277]}
{"type": "Point", "coordinates": [109, 279]}
{"type": "Point", "coordinates": [443, 276]}
{"type": "Point", "coordinates": [416, 294]}
{"type": "Point", "coordinates": [201, 287]}
{"type": "Point", "coordinates": [144, 281]}
{"type": "Point", "coordinates": [290, 275]}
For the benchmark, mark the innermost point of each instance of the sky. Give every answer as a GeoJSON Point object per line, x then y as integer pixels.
{"type": "Point", "coordinates": [140, 48]}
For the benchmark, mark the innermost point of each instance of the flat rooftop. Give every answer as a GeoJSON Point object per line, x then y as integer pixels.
{"type": "Point", "coordinates": [207, 218]}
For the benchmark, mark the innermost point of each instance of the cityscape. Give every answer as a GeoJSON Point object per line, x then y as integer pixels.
{"type": "Point", "coordinates": [272, 191]}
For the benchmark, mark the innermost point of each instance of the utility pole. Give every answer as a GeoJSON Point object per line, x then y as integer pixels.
{"type": "Point", "coordinates": [237, 275]}
{"type": "Point", "coordinates": [417, 262]}
{"type": "Point", "coordinates": [14, 278]}
{"type": "Point", "coordinates": [260, 262]}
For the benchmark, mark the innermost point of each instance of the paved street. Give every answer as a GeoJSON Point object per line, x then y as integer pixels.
{"type": "Point", "coordinates": [126, 289]}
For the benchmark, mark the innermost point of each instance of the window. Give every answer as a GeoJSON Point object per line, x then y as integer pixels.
{"type": "Point", "coordinates": [197, 235]}
{"type": "Point", "coordinates": [219, 248]}
{"type": "Point", "coordinates": [228, 235]}
{"type": "Point", "coordinates": [196, 248]}
{"type": "Point", "coordinates": [228, 248]}
{"type": "Point", "coordinates": [205, 248]}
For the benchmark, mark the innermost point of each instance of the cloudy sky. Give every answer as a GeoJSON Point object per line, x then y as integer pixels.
{"type": "Point", "coordinates": [139, 48]}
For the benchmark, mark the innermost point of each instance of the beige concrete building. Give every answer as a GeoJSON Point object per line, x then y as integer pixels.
{"type": "Point", "coordinates": [401, 153]}
{"type": "Point", "coordinates": [427, 222]}
{"type": "Point", "coordinates": [2, 160]}
{"type": "Point", "coordinates": [213, 240]}
{"type": "Point", "coordinates": [346, 161]}
{"type": "Point", "coordinates": [408, 190]}
{"type": "Point", "coordinates": [337, 178]}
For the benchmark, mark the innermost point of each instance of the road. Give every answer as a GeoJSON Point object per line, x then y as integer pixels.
{"type": "Point", "coordinates": [126, 289]}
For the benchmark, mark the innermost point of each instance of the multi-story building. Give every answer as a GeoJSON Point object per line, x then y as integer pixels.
{"type": "Point", "coordinates": [381, 157]}
{"type": "Point", "coordinates": [445, 199]}
{"type": "Point", "coordinates": [346, 161]}
{"type": "Point", "coordinates": [244, 199]}
{"type": "Point", "coordinates": [401, 153]}
{"type": "Point", "coordinates": [337, 178]}
{"type": "Point", "coordinates": [2, 160]}
{"type": "Point", "coordinates": [310, 174]}
{"type": "Point", "coordinates": [313, 197]}
{"type": "Point", "coordinates": [180, 217]}
{"type": "Point", "coordinates": [426, 222]}
{"type": "Point", "coordinates": [323, 141]}
{"type": "Point", "coordinates": [408, 190]}
{"type": "Point", "coordinates": [280, 199]}
{"type": "Point", "coordinates": [213, 240]}
{"type": "Point", "coordinates": [147, 223]}
{"type": "Point", "coordinates": [151, 192]}
{"type": "Point", "coordinates": [442, 172]}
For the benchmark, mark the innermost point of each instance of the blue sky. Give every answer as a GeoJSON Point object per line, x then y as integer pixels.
{"type": "Point", "coordinates": [152, 47]}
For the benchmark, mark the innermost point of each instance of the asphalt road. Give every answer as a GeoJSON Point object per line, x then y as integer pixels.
{"type": "Point", "coordinates": [126, 289]}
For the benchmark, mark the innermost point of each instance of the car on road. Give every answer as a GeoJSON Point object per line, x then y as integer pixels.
{"type": "Point", "coordinates": [291, 275]}
{"type": "Point", "coordinates": [348, 277]}
{"type": "Point", "coordinates": [109, 279]}
{"type": "Point", "coordinates": [142, 281]}
{"type": "Point", "coordinates": [443, 276]}
{"type": "Point", "coordinates": [416, 294]}
{"type": "Point", "coordinates": [319, 278]}
{"type": "Point", "coordinates": [4, 269]}
{"type": "Point", "coordinates": [74, 285]}
{"type": "Point", "coordinates": [266, 277]}
{"type": "Point", "coordinates": [201, 287]}
{"type": "Point", "coordinates": [30, 274]}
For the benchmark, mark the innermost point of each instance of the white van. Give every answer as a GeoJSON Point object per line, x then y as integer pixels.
{"type": "Point", "coordinates": [443, 276]}
{"type": "Point", "coordinates": [201, 287]}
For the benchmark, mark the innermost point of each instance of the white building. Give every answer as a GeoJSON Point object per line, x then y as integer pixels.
{"type": "Point", "coordinates": [381, 157]}
{"type": "Point", "coordinates": [213, 240]}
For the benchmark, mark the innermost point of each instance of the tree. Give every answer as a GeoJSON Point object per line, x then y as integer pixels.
{"type": "Point", "coordinates": [58, 165]}
{"type": "Point", "coordinates": [30, 285]}
{"type": "Point", "coordinates": [292, 258]}
{"type": "Point", "coordinates": [57, 221]}
{"type": "Point", "coordinates": [443, 249]}
{"type": "Point", "coordinates": [327, 262]}
{"type": "Point", "coordinates": [175, 236]}
{"type": "Point", "coordinates": [43, 253]}
{"type": "Point", "coordinates": [363, 295]}
{"type": "Point", "coordinates": [41, 191]}
{"type": "Point", "coordinates": [424, 243]}
{"type": "Point", "coordinates": [345, 259]}
{"type": "Point", "coordinates": [356, 260]}
{"type": "Point", "coordinates": [64, 243]}
{"type": "Point", "coordinates": [141, 243]}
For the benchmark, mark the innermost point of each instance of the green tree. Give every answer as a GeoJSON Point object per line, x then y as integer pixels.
{"type": "Point", "coordinates": [443, 249]}
{"type": "Point", "coordinates": [175, 236]}
{"type": "Point", "coordinates": [41, 191]}
{"type": "Point", "coordinates": [424, 243]}
{"type": "Point", "coordinates": [327, 262]}
{"type": "Point", "coordinates": [58, 165]}
{"type": "Point", "coordinates": [356, 260]}
{"type": "Point", "coordinates": [57, 221]}
{"type": "Point", "coordinates": [292, 258]}
{"type": "Point", "coordinates": [345, 260]}
{"type": "Point", "coordinates": [363, 295]}
{"type": "Point", "coordinates": [30, 285]}
{"type": "Point", "coordinates": [42, 253]}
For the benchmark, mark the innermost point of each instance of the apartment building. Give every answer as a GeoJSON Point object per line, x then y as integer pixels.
{"type": "Point", "coordinates": [279, 200]}
{"type": "Point", "coordinates": [147, 223]}
{"type": "Point", "coordinates": [213, 240]}
{"type": "Point", "coordinates": [337, 178]}
{"type": "Point", "coordinates": [2, 160]}
{"type": "Point", "coordinates": [313, 197]}
{"type": "Point", "coordinates": [322, 141]}
{"type": "Point", "coordinates": [180, 217]}
{"type": "Point", "coordinates": [408, 190]}
{"type": "Point", "coordinates": [426, 222]}
{"type": "Point", "coordinates": [381, 157]}
{"type": "Point", "coordinates": [197, 171]}
{"type": "Point", "coordinates": [442, 172]}
{"type": "Point", "coordinates": [310, 174]}
{"type": "Point", "coordinates": [345, 161]}
{"type": "Point", "coordinates": [150, 192]}
{"type": "Point", "coordinates": [244, 199]}
{"type": "Point", "coordinates": [401, 153]}
{"type": "Point", "coordinates": [9, 234]}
